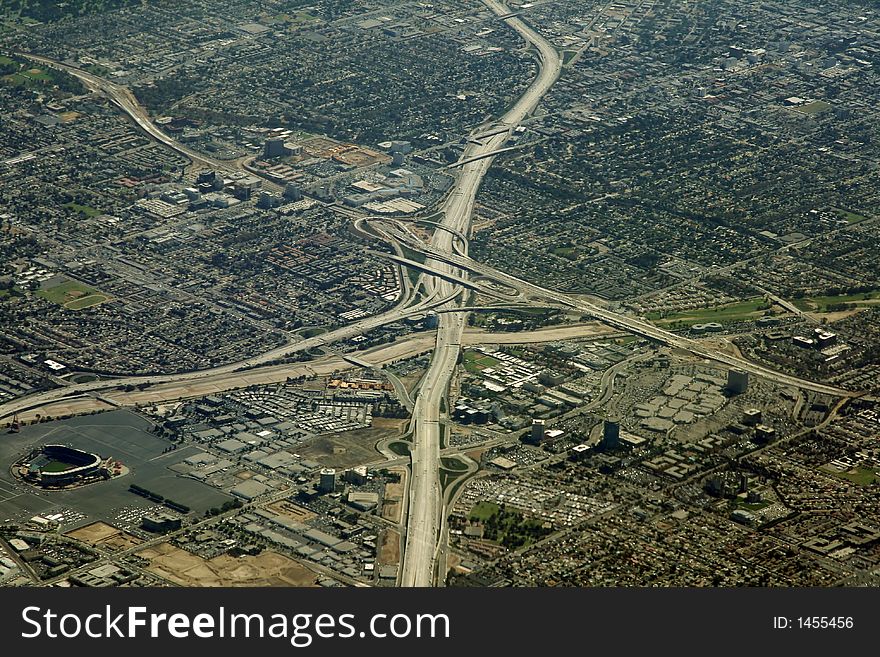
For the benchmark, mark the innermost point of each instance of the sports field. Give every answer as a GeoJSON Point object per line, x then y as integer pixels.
{"type": "Point", "coordinates": [72, 295]}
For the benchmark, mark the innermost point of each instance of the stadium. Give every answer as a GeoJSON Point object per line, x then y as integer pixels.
{"type": "Point", "coordinates": [56, 466]}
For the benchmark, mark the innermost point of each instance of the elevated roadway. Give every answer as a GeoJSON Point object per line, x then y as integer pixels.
{"type": "Point", "coordinates": [425, 511]}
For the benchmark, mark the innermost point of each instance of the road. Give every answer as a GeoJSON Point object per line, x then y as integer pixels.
{"type": "Point", "coordinates": [449, 265]}
{"type": "Point", "coordinates": [123, 98]}
{"type": "Point", "coordinates": [349, 331]}
{"type": "Point", "coordinates": [405, 347]}
{"type": "Point", "coordinates": [425, 510]}
{"type": "Point", "coordinates": [626, 323]}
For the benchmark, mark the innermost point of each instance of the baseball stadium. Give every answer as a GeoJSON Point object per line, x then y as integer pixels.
{"type": "Point", "coordinates": [60, 466]}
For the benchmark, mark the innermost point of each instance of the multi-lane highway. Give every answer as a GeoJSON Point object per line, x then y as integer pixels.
{"type": "Point", "coordinates": [627, 323]}
{"type": "Point", "coordinates": [425, 500]}
{"type": "Point", "coordinates": [359, 327]}
{"type": "Point", "coordinates": [125, 100]}
{"type": "Point", "coordinates": [446, 271]}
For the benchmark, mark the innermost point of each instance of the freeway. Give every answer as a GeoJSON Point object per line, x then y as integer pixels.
{"type": "Point", "coordinates": [623, 322]}
{"type": "Point", "coordinates": [424, 521]}
{"type": "Point", "coordinates": [125, 100]}
{"type": "Point", "coordinates": [236, 368]}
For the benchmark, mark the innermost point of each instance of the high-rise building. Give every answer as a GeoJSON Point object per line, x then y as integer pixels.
{"type": "Point", "coordinates": [610, 434]}
{"type": "Point", "coordinates": [273, 147]}
{"type": "Point", "coordinates": [737, 381]}
{"type": "Point", "coordinates": [327, 482]}
{"type": "Point", "coordinates": [764, 434]}
{"type": "Point", "coordinates": [537, 434]}
{"type": "Point", "coordinates": [292, 192]}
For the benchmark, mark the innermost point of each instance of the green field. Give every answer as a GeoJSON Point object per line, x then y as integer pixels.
{"type": "Point", "coordinates": [84, 210]}
{"type": "Point", "coordinates": [816, 107]}
{"type": "Point", "coordinates": [567, 56]}
{"type": "Point", "coordinates": [475, 362]}
{"type": "Point", "coordinates": [482, 511]}
{"type": "Point", "coordinates": [851, 217]}
{"type": "Point", "coordinates": [32, 78]}
{"type": "Point", "coordinates": [732, 312]}
{"type": "Point", "coordinates": [822, 304]}
{"type": "Point", "coordinates": [510, 528]}
{"type": "Point", "coordinates": [73, 295]}
{"type": "Point", "coordinates": [753, 507]}
{"type": "Point", "coordinates": [399, 447]}
{"type": "Point", "coordinates": [85, 302]}
{"type": "Point", "coordinates": [568, 252]}
{"type": "Point", "coordinates": [56, 466]}
{"type": "Point", "coordinates": [312, 332]}
{"type": "Point", "coordinates": [858, 476]}
{"type": "Point", "coordinates": [453, 464]}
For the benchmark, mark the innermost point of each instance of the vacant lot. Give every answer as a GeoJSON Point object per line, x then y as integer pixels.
{"type": "Point", "coordinates": [351, 448]}
{"type": "Point", "coordinates": [291, 511]}
{"type": "Point", "coordinates": [265, 569]}
{"type": "Point", "coordinates": [104, 535]}
{"type": "Point", "coordinates": [393, 502]}
{"type": "Point", "coordinates": [389, 548]}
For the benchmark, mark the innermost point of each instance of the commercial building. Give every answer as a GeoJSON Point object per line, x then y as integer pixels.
{"type": "Point", "coordinates": [327, 481]}
{"type": "Point", "coordinates": [737, 381]}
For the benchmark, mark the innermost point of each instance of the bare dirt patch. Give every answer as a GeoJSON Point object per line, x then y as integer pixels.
{"type": "Point", "coordinates": [351, 448]}
{"type": "Point", "coordinates": [104, 535]}
{"type": "Point", "coordinates": [291, 511]}
{"type": "Point", "coordinates": [186, 569]}
{"type": "Point", "coordinates": [392, 502]}
{"type": "Point", "coordinates": [388, 553]}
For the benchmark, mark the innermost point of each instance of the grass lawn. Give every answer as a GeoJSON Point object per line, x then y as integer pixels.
{"type": "Point", "coordinates": [86, 302]}
{"type": "Point", "coordinates": [56, 466]}
{"type": "Point", "coordinates": [816, 107]}
{"type": "Point", "coordinates": [757, 506]}
{"type": "Point", "coordinates": [302, 17]}
{"type": "Point", "coordinates": [851, 217]}
{"type": "Point", "coordinates": [509, 528]}
{"type": "Point", "coordinates": [821, 304]}
{"type": "Point", "coordinates": [84, 210]}
{"type": "Point", "coordinates": [732, 312]}
{"type": "Point", "coordinates": [858, 476]}
{"type": "Point", "coordinates": [453, 465]}
{"type": "Point", "coordinates": [399, 447]}
{"type": "Point", "coordinates": [475, 362]}
{"type": "Point", "coordinates": [567, 56]}
{"type": "Point", "coordinates": [483, 511]}
{"type": "Point", "coordinates": [312, 332]}
{"type": "Point", "coordinates": [568, 252]}
{"type": "Point", "coordinates": [32, 78]}
{"type": "Point", "coordinates": [73, 295]}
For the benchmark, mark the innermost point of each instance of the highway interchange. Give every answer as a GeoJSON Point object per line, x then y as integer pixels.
{"type": "Point", "coordinates": [440, 287]}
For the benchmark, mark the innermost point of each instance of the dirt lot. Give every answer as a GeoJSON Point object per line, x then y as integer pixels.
{"type": "Point", "coordinates": [186, 569]}
{"type": "Point", "coordinates": [351, 448]}
{"type": "Point", "coordinates": [389, 548]}
{"type": "Point", "coordinates": [392, 503]}
{"type": "Point", "coordinates": [107, 536]}
{"type": "Point", "coordinates": [291, 511]}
